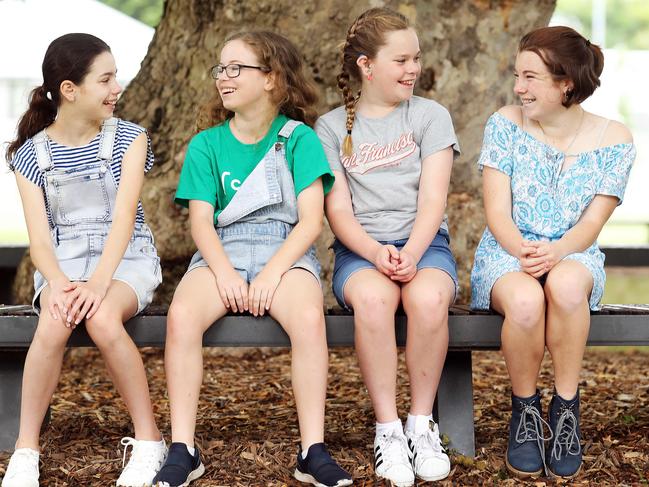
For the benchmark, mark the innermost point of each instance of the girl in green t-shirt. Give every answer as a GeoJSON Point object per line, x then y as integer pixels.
{"type": "Point", "coordinates": [254, 183]}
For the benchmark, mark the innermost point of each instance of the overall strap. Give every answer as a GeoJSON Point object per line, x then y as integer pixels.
{"type": "Point", "coordinates": [288, 128]}
{"type": "Point", "coordinates": [601, 134]}
{"type": "Point", "coordinates": [107, 140]}
{"type": "Point", "coordinates": [42, 147]}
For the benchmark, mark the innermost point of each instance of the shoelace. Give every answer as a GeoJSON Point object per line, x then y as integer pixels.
{"type": "Point", "coordinates": [141, 458]}
{"type": "Point", "coordinates": [430, 441]}
{"type": "Point", "coordinates": [530, 428]}
{"type": "Point", "coordinates": [393, 449]}
{"type": "Point", "coordinates": [566, 436]}
{"type": "Point", "coordinates": [23, 460]}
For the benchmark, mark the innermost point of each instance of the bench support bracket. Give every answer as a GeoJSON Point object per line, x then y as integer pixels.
{"type": "Point", "coordinates": [11, 377]}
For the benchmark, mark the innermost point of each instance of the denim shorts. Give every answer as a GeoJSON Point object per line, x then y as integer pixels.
{"type": "Point", "coordinates": [249, 247]}
{"type": "Point", "coordinates": [79, 249]}
{"type": "Point", "coordinates": [437, 256]}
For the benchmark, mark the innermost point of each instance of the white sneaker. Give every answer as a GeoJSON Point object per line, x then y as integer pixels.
{"type": "Point", "coordinates": [429, 461]}
{"type": "Point", "coordinates": [391, 459]}
{"type": "Point", "coordinates": [146, 459]}
{"type": "Point", "coordinates": [22, 470]}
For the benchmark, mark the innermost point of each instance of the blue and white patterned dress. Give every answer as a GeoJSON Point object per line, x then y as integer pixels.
{"type": "Point", "coordinates": [546, 202]}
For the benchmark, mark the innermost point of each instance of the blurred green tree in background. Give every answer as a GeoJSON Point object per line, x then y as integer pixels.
{"type": "Point", "coordinates": [147, 11]}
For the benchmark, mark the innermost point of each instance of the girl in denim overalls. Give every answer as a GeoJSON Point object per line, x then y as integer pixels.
{"type": "Point", "coordinates": [254, 183]}
{"type": "Point", "coordinates": [79, 172]}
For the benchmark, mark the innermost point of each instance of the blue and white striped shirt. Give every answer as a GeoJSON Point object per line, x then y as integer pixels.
{"type": "Point", "coordinates": [64, 157]}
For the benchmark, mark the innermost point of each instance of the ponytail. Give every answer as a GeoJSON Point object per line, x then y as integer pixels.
{"type": "Point", "coordinates": [40, 114]}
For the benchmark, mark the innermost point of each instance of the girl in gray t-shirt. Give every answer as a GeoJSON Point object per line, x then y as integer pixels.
{"type": "Point", "coordinates": [392, 154]}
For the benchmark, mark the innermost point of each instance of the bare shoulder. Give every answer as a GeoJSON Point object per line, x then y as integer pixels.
{"type": "Point", "coordinates": [617, 133]}
{"type": "Point", "coordinates": [512, 113]}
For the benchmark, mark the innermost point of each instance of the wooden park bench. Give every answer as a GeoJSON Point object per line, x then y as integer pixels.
{"type": "Point", "coordinates": [469, 330]}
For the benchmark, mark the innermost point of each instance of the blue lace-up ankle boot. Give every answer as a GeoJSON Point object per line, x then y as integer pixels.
{"type": "Point", "coordinates": [565, 447]}
{"type": "Point", "coordinates": [526, 450]}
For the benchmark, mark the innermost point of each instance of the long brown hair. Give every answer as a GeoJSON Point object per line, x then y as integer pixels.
{"type": "Point", "coordinates": [568, 56]}
{"type": "Point", "coordinates": [364, 37]}
{"type": "Point", "coordinates": [294, 92]}
{"type": "Point", "coordinates": [68, 57]}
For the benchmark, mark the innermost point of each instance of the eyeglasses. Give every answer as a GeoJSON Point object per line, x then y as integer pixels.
{"type": "Point", "coordinates": [234, 70]}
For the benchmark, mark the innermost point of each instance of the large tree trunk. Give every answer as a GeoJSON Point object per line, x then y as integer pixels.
{"type": "Point", "coordinates": [468, 51]}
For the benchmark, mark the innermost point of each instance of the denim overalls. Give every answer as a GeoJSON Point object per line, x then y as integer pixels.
{"type": "Point", "coordinates": [256, 222]}
{"type": "Point", "coordinates": [81, 202]}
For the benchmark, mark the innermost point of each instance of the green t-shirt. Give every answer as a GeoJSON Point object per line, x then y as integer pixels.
{"type": "Point", "coordinates": [216, 163]}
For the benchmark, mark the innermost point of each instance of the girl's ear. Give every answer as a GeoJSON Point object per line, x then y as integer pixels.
{"type": "Point", "coordinates": [269, 84]}
{"type": "Point", "coordinates": [68, 90]}
{"type": "Point", "coordinates": [363, 62]}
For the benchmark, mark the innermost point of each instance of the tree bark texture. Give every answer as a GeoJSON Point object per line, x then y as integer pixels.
{"type": "Point", "coordinates": [468, 49]}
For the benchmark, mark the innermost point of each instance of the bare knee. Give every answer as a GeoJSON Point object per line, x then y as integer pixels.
{"type": "Point", "coordinates": [373, 311]}
{"type": "Point", "coordinates": [183, 324]}
{"type": "Point", "coordinates": [51, 333]}
{"type": "Point", "coordinates": [105, 328]}
{"type": "Point", "coordinates": [566, 291]}
{"type": "Point", "coordinates": [307, 327]}
{"type": "Point", "coordinates": [525, 308]}
{"type": "Point", "coordinates": [428, 312]}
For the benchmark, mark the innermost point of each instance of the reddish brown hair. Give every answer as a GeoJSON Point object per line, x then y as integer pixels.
{"type": "Point", "coordinates": [364, 37]}
{"type": "Point", "coordinates": [294, 93]}
{"type": "Point", "coordinates": [568, 56]}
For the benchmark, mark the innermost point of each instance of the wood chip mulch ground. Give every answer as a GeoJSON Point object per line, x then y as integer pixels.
{"type": "Point", "coordinates": [248, 429]}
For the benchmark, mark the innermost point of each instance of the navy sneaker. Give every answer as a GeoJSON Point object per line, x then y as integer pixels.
{"type": "Point", "coordinates": [318, 468]}
{"type": "Point", "coordinates": [565, 447]}
{"type": "Point", "coordinates": [525, 450]}
{"type": "Point", "coordinates": [180, 468]}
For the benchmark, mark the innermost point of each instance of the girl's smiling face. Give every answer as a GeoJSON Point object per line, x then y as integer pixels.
{"type": "Point", "coordinates": [97, 94]}
{"type": "Point", "coordinates": [250, 86]}
{"type": "Point", "coordinates": [395, 67]}
{"type": "Point", "coordinates": [538, 92]}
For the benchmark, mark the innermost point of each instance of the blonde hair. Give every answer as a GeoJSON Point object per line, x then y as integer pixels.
{"type": "Point", "coordinates": [294, 93]}
{"type": "Point", "coordinates": [365, 37]}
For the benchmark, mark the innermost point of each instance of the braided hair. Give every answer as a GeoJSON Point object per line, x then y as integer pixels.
{"type": "Point", "coordinates": [365, 37]}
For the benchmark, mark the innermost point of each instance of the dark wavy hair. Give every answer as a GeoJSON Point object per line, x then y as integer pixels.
{"type": "Point", "coordinates": [295, 93]}
{"type": "Point", "coordinates": [68, 57]}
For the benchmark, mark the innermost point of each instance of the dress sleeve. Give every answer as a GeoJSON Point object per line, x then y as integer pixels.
{"type": "Point", "coordinates": [616, 169]}
{"type": "Point", "coordinates": [497, 145]}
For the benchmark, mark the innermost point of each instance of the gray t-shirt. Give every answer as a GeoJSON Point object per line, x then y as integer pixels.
{"type": "Point", "coordinates": [384, 169]}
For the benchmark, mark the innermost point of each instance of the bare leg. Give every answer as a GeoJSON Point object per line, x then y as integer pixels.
{"type": "Point", "coordinates": [41, 373]}
{"type": "Point", "coordinates": [195, 306]}
{"type": "Point", "coordinates": [426, 300]}
{"type": "Point", "coordinates": [375, 298]}
{"type": "Point", "coordinates": [567, 288]}
{"type": "Point", "coordinates": [123, 359]}
{"type": "Point", "coordinates": [520, 298]}
{"type": "Point", "coordinates": [297, 305]}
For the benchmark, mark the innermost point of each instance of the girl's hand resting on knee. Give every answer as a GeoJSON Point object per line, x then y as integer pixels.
{"type": "Point", "coordinates": [261, 291]}
{"type": "Point", "coordinates": [84, 301]}
{"type": "Point", "coordinates": [406, 267]}
{"type": "Point", "coordinates": [58, 302]}
{"type": "Point", "coordinates": [233, 290]}
{"type": "Point", "coordinates": [387, 259]}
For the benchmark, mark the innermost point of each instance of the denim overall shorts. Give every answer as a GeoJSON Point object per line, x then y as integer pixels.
{"type": "Point", "coordinates": [256, 222]}
{"type": "Point", "coordinates": [81, 202]}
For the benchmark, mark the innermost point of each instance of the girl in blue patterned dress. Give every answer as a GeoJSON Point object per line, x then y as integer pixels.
{"type": "Point", "coordinates": [552, 176]}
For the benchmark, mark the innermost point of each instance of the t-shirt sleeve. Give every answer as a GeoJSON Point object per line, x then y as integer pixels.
{"type": "Point", "coordinates": [197, 181]}
{"type": "Point", "coordinates": [309, 160]}
{"type": "Point", "coordinates": [497, 145]}
{"type": "Point", "coordinates": [26, 164]}
{"type": "Point", "coordinates": [616, 170]}
{"type": "Point", "coordinates": [127, 132]}
{"type": "Point", "coordinates": [438, 133]}
{"type": "Point", "coordinates": [330, 144]}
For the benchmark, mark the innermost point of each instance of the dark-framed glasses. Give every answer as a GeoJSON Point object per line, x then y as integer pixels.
{"type": "Point", "coordinates": [234, 70]}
